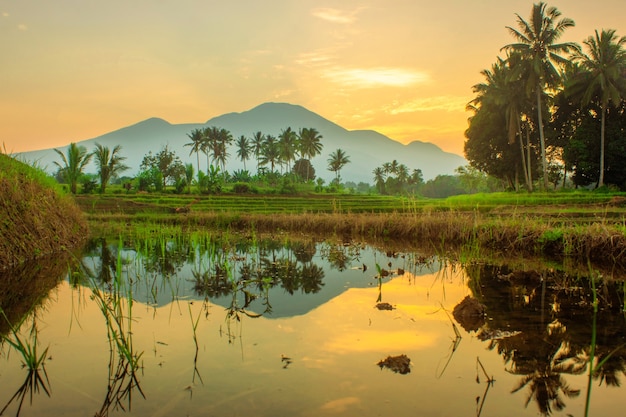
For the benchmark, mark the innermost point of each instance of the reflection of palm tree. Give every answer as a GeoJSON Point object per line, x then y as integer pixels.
{"type": "Point", "coordinates": [542, 369]}
{"type": "Point", "coordinates": [613, 364]}
{"type": "Point", "coordinates": [304, 252]}
{"type": "Point", "coordinates": [107, 263]}
{"type": "Point", "coordinates": [312, 279]}
{"type": "Point", "coordinates": [210, 285]}
{"type": "Point", "coordinates": [544, 389]}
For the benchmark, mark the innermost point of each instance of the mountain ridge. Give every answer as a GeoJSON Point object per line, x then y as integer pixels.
{"type": "Point", "coordinates": [367, 149]}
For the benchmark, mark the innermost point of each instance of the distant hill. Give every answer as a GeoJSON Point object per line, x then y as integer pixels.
{"type": "Point", "coordinates": [366, 149]}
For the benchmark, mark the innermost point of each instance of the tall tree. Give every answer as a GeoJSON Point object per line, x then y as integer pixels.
{"type": "Point", "coordinates": [536, 42]}
{"type": "Point", "coordinates": [243, 149]}
{"type": "Point", "coordinates": [270, 152]}
{"type": "Point", "coordinates": [288, 146]}
{"type": "Point", "coordinates": [224, 139]}
{"type": "Point", "coordinates": [379, 179]}
{"type": "Point", "coordinates": [257, 145]}
{"type": "Point", "coordinates": [109, 163]}
{"type": "Point", "coordinates": [310, 144]}
{"type": "Point", "coordinates": [197, 138]}
{"type": "Point", "coordinates": [73, 164]}
{"type": "Point", "coordinates": [503, 91]}
{"type": "Point", "coordinates": [336, 161]}
{"type": "Point", "coordinates": [603, 78]}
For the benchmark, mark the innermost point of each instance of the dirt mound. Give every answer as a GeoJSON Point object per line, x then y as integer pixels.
{"type": "Point", "coordinates": [470, 313]}
{"type": "Point", "coordinates": [36, 219]}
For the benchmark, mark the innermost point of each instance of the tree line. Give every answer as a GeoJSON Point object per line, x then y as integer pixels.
{"type": "Point", "coordinates": [550, 109]}
{"type": "Point", "coordinates": [281, 163]}
{"type": "Point", "coordinates": [285, 159]}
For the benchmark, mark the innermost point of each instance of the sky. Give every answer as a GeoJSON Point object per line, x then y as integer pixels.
{"type": "Point", "coordinates": [72, 70]}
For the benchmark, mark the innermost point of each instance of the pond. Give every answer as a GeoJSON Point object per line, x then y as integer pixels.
{"type": "Point", "coordinates": [196, 325]}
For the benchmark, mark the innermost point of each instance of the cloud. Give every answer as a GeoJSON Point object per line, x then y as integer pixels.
{"type": "Point", "coordinates": [376, 77]}
{"type": "Point", "coordinates": [334, 15]}
{"type": "Point", "coordinates": [445, 103]}
{"type": "Point", "coordinates": [316, 58]}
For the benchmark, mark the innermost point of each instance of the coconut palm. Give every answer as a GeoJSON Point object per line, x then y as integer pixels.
{"type": "Point", "coordinates": [109, 164]}
{"type": "Point", "coordinates": [602, 77]}
{"type": "Point", "coordinates": [197, 138]}
{"type": "Point", "coordinates": [72, 164]}
{"type": "Point", "coordinates": [216, 144]}
{"type": "Point", "coordinates": [208, 137]}
{"type": "Point", "coordinates": [243, 149]}
{"type": "Point", "coordinates": [379, 179]}
{"type": "Point", "coordinates": [403, 174]}
{"type": "Point", "coordinates": [257, 144]}
{"type": "Point", "coordinates": [536, 42]}
{"type": "Point", "coordinates": [503, 88]}
{"type": "Point", "coordinates": [393, 167]}
{"type": "Point", "coordinates": [387, 168]}
{"type": "Point", "coordinates": [288, 146]}
{"type": "Point", "coordinates": [336, 161]}
{"type": "Point", "coordinates": [270, 152]}
{"type": "Point", "coordinates": [225, 138]}
{"type": "Point", "coordinates": [310, 144]}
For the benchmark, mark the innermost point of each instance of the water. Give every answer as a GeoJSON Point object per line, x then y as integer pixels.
{"type": "Point", "coordinates": [292, 328]}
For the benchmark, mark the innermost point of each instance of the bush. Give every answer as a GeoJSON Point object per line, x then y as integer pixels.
{"type": "Point", "coordinates": [242, 188]}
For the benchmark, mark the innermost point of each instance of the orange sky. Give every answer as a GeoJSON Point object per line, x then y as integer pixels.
{"type": "Point", "coordinates": [75, 69]}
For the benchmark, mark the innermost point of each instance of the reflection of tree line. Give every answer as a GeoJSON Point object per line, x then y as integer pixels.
{"type": "Point", "coordinates": [253, 270]}
{"type": "Point", "coordinates": [541, 325]}
{"type": "Point", "coordinates": [219, 267]}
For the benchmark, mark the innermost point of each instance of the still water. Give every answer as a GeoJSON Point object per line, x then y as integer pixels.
{"type": "Point", "coordinates": [204, 327]}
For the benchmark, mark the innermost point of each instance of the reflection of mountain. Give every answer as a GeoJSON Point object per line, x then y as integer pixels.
{"type": "Point", "coordinates": [291, 278]}
{"type": "Point", "coordinates": [366, 149]}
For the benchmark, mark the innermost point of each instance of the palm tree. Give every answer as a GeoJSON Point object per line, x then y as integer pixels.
{"type": "Point", "coordinates": [225, 138]}
{"type": "Point", "coordinates": [216, 143]}
{"type": "Point", "coordinates": [109, 164]}
{"type": "Point", "coordinates": [602, 77]}
{"type": "Point", "coordinates": [288, 146]}
{"type": "Point", "coordinates": [257, 145]}
{"type": "Point", "coordinates": [503, 88]}
{"type": "Point", "coordinates": [243, 149]}
{"type": "Point", "coordinates": [310, 144]}
{"type": "Point", "coordinates": [379, 179]}
{"type": "Point", "coordinates": [270, 152]}
{"type": "Point", "coordinates": [73, 164]}
{"type": "Point", "coordinates": [189, 176]}
{"type": "Point", "coordinates": [536, 42]}
{"type": "Point", "coordinates": [402, 174]}
{"type": "Point", "coordinates": [197, 138]}
{"type": "Point", "coordinates": [336, 161]}
{"type": "Point", "coordinates": [208, 137]}
{"type": "Point", "coordinates": [393, 167]}
{"type": "Point", "coordinates": [387, 168]}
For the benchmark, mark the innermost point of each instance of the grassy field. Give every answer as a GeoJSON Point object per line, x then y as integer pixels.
{"type": "Point", "coordinates": [573, 203]}
{"type": "Point", "coordinates": [582, 225]}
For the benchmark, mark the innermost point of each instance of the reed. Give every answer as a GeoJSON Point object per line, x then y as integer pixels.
{"type": "Point", "coordinates": [33, 359]}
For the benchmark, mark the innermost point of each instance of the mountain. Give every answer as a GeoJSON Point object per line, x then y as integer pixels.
{"type": "Point", "coordinates": [366, 149]}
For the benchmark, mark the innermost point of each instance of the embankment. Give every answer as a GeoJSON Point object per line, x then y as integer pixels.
{"type": "Point", "coordinates": [36, 218]}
